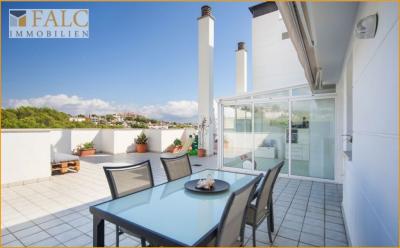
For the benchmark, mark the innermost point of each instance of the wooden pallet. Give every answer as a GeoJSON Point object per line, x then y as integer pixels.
{"type": "Point", "coordinates": [65, 166]}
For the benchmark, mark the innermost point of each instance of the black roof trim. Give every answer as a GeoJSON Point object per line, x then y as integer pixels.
{"type": "Point", "coordinates": [263, 8]}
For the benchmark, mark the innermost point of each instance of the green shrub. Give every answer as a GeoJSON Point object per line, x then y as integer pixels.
{"type": "Point", "coordinates": [88, 145]}
{"type": "Point", "coordinates": [177, 142]}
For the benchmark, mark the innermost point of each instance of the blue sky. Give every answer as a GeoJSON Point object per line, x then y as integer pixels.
{"type": "Point", "coordinates": [138, 56]}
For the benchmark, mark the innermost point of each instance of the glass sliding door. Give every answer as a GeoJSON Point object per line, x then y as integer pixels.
{"type": "Point", "coordinates": [271, 120]}
{"type": "Point", "coordinates": [313, 140]}
{"type": "Point", "coordinates": [259, 131]}
{"type": "Point", "coordinates": [237, 136]}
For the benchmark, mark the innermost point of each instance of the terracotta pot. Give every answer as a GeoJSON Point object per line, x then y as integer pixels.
{"type": "Point", "coordinates": [87, 152]}
{"type": "Point", "coordinates": [170, 149]}
{"type": "Point", "coordinates": [201, 152]}
{"type": "Point", "coordinates": [141, 148]}
{"type": "Point", "coordinates": [177, 149]}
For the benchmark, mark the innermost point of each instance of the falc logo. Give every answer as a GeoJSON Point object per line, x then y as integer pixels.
{"type": "Point", "coordinates": [48, 23]}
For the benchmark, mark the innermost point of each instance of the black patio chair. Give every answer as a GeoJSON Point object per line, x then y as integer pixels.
{"type": "Point", "coordinates": [231, 227]}
{"type": "Point", "coordinates": [263, 206]}
{"type": "Point", "coordinates": [177, 167]}
{"type": "Point", "coordinates": [126, 180]}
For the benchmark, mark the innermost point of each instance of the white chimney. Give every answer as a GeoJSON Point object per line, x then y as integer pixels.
{"type": "Point", "coordinates": [241, 69]}
{"type": "Point", "coordinates": [206, 76]}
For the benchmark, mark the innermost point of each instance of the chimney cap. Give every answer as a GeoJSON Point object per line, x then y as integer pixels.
{"type": "Point", "coordinates": [205, 10]}
{"type": "Point", "coordinates": [241, 46]}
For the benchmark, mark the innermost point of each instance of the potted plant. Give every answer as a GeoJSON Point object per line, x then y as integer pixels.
{"type": "Point", "coordinates": [194, 147]}
{"type": "Point", "coordinates": [141, 143]}
{"type": "Point", "coordinates": [201, 152]}
{"type": "Point", "coordinates": [177, 145]}
{"type": "Point", "coordinates": [86, 149]}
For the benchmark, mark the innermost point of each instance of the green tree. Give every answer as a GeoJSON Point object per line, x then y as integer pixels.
{"type": "Point", "coordinates": [128, 118]}
{"type": "Point", "coordinates": [139, 125]}
{"type": "Point", "coordinates": [31, 117]}
{"type": "Point", "coordinates": [109, 118]}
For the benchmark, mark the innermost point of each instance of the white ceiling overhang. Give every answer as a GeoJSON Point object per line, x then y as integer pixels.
{"type": "Point", "coordinates": [321, 33]}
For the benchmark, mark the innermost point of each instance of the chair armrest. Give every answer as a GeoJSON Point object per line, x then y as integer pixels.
{"type": "Point", "coordinates": [256, 193]}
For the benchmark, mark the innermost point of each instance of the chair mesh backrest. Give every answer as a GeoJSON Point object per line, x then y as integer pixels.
{"type": "Point", "coordinates": [178, 167]}
{"type": "Point", "coordinates": [125, 180]}
{"type": "Point", "coordinates": [267, 185]}
{"type": "Point", "coordinates": [232, 222]}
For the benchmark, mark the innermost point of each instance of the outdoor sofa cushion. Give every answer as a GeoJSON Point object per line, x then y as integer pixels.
{"type": "Point", "coordinates": [59, 157]}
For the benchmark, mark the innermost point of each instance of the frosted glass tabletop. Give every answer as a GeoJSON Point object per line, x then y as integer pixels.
{"type": "Point", "coordinates": [171, 211]}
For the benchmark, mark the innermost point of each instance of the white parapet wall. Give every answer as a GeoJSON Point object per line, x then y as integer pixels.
{"type": "Point", "coordinates": [60, 140]}
{"type": "Point", "coordinates": [124, 140]}
{"type": "Point", "coordinates": [66, 140]}
{"type": "Point", "coordinates": [168, 136]}
{"type": "Point", "coordinates": [115, 141]}
{"type": "Point", "coordinates": [160, 139]}
{"type": "Point", "coordinates": [26, 153]}
{"type": "Point", "coordinates": [80, 136]}
{"type": "Point", "coordinates": [107, 141]}
{"type": "Point", "coordinates": [154, 142]}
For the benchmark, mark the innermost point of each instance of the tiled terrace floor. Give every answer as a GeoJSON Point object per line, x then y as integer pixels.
{"type": "Point", "coordinates": [55, 212]}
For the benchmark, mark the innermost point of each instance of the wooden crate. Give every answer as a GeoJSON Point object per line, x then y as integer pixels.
{"type": "Point", "coordinates": [65, 166]}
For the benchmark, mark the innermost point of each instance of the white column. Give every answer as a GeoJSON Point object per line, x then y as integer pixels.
{"type": "Point", "coordinates": [241, 69]}
{"type": "Point", "coordinates": [206, 76]}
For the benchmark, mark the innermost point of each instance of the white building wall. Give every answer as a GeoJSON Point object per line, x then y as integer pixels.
{"type": "Point", "coordinates": [371, 179]}
{"type": "Point", "coordinates": [275, 61]}
{"type": "Point", "coordinates": [25, 155]}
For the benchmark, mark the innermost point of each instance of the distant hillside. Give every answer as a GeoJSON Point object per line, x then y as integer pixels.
{"type": "Point", "coordinates": [31, 117]}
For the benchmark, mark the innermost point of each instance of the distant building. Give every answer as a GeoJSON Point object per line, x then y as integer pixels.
{"type": "Point", "coordinates": [118, 118]}
{"type": "Point", "coordinates": [94, 118]}
{"type": "Point", "coordinates": [127, 114]}
{"type": "Point", "coordinates": [77, 119]}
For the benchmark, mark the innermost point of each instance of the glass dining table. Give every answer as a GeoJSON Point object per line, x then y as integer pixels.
{"type": "Point", "coordinates": [168, 214]}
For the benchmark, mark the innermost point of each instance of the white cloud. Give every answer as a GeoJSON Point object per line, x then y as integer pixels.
{"type": "Point", "coordinates": [182, 110]}
{"type": "Point", "coordinates": [69, 104]}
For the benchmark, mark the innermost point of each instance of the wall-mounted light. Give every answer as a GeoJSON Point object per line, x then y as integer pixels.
{"type": "Point", "coordinates": [366, 27]}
